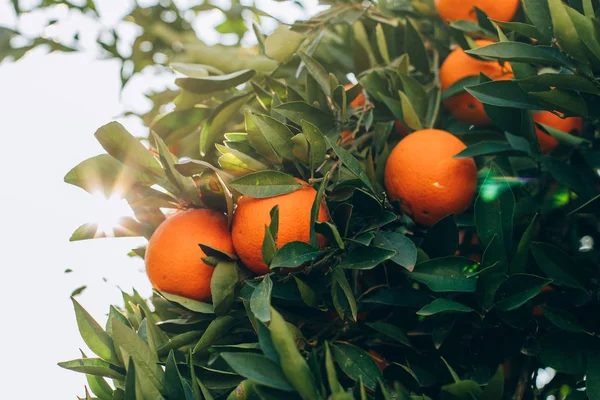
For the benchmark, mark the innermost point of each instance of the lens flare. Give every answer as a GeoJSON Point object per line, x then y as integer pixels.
{"type": "Point", "coordinates": [108, 212]}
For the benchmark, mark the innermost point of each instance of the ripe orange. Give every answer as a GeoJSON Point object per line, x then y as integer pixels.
{"type": "Point", "coordinates": [400, 128]}
{"type": "Point", "coordinates": [459, 65]}
{"type": "Point", "coordinates": [346, 136]}
{"type": "Point", "coordinates": [567, 125]}
{"type": "Point", "coordinates": [174, 259]}
{"type": "Point", "coordinates": [429, 183]}
{"type": "Point", "coordinates": [359, 100]}
{"type": "Point", "coordinates": [454, 10]}
{"type": "Point", "coordinates": [252, 215]}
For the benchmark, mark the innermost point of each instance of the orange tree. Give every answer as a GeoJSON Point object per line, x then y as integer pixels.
{"type": "Point", "coordinates": [457, 269]}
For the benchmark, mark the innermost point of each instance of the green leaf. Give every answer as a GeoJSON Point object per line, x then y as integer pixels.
{"type": "Point", "coordinates": [382, 44]}
{"type": "Point", "coordinates": [309, 296]}
{"type": "Point", "coordinates": [94, 336]}
{"type": "Point", "coordinates": [342, 295]}
{"type": "Point", "coordinates": [99, 386]}
{"type": "Point", "coordinates": [562, 319]}
{"type": "Point", "coordinates": [567, 175]}
{"type": "Point", "coordinates": [361, 36]}
{"type": "Point", "coordinates": [334, 385]}
{"type": "Point", "coordinates": [414, 46]}
{"type": "Point", "coordinates": [297, 111]}
{"type": "Point", "coordinates": [265, 184]}
{"type": "Point", "coordinates": [495, 387]}
{"type": "Point", "coordinates": [406, 251]}
{"type": "Point", "coordinates": [295, 254]}
{"type": "Point", "coordinates": [184, 185]}
{"type": "Point", "coordinates": [293, 364]}
{"type": "Point", "coordinates": [276, 134]}
{"type": "Point", "coordinates": [518, 289]}
{"type": "Point", "coordinates": [521, 28]}
{"type": "Point", "coordinates": [317, 145]}
{"type": "Point", "coordinates": [391, 331]}
{"type": "Point", "coordinates": [190, 304]}
{"type": "Point", "coordinates": [565, 32]}
{"type": "Point", "coordinates": [593, 378]}
{"type": "Point", "coordinates": [178, 341]}
{"type": "Point", "coordinates": [504, 94]}
{"type": "Point", "coordinates": [566, 101]}
{"type": "Point", "coordinates": [357, 363]}
{"type": "Point", "coordinates": [365, 257]}
{"type": "Point", "coordinates": [556, 264]}
{"type": "Point", "coordinates": [146, 360]}
{"type": "Point", "coordinates": [464, 390]}
{"type": "Point", "coordinates": [485, 149]}
{"type": "Point", "coordinates": [260, 301]}
{"type": "Point", "coordinates": [215, 331]}
{"type": "Point", "coordinates": [123, 146]}
{"type": "Point", "coordinates": [410, 116]}
{"type": "Point", "coordinates": [173, 379]}
{"type": "Point", "coordinates": [539, 13]}
{"type": "Point", "coordinates": [282, 43]}
{"type": "Point", "coordinates": [443, 306]}
{"type": "Point", "coordinates": [565, 352]}
{"type": "Point", "coordinates": [223, 283]}
{"type": "Point", "coordinates": [259, 369]}
{"type": "Point", "coordinates": [449, 274]}
{"type": "Point", "coordinates": [214, 83]}
{"type": "Point", "coordinates": [494, 210]}
{"type": "Point", "coordinates": [352, 164]}
{"type": "Point", "coordinates": [441, 239]}
{"type": "Point", "coordinates": [317, 71]}
{"type": "Point", "coordinates": [94, 366]}
{"type": "Point", "coordinates": [220, 117]}
{"type": "Point", "coordinates": [458, 87]}
{"type": "Point", "coordinates": [522, 52]}
{"type": "Point", "coordinates": [519, 260]}
{"type": "Point", "coordinates": [269, 245]}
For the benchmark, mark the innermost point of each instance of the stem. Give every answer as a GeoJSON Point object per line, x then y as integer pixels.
{"type": "Point", "coordinates": [523, 379]}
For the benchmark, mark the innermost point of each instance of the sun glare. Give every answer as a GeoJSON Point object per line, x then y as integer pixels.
{"type": "Point", "coordinates": [108, 211]}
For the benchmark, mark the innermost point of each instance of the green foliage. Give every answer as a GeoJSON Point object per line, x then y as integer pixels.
{"type": "Point", "coordinates": [470, 308]}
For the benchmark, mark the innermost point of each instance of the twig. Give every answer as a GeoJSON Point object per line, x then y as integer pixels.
{"type": "Point", "coordinates": [523, 379]}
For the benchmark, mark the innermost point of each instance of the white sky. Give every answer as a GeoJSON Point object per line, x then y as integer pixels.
{"type": "Point", "coordinates": [50, 106]}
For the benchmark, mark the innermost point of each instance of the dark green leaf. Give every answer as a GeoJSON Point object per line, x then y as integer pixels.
{"type": "Point", "coordinates": [260, 302]}
{"type": "Point", "coordinates": [223, 283]}
{"type": "Point", "coordinates": [406, 252]}
{"type": "Point", "coordinates": [443, 306]}
{"type": "Point", "coordinates": [266, 184]}
{"type": "Point", "coordinates": [258, 368]}
{"type": "Point", "coordinates": [556, 264]}
{"type": "Point", "coordinates": [215, 331]}
{"type": "Point", "coordinates": [391, 331]}
{"type": "Point", "coordinates": [352, 164]}
{"type": "Point", "coordinates": [441, 239]}
{"type": "Point", "coordinates": [356, 363]}
{"type": "Point", "coordinates": [449, 274]}
{"type": "Point", "coordinates": [518, 289]}
{"type": "Point", "coordinates": [365, 257]}
{"type": "Point", "coordinates": [562, 319]}
{"type": "Point", "coordinates": [295, 254]}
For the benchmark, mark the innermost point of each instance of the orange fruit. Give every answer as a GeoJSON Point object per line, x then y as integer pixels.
{"type": "Point", "coordinates": [454, 10]}
{"type": "Point", "coordinates": [567, 125]}
{"type": "Point", "coordinates": [459, 65]}
{"type": "Point", "coordinates": [423, 175]}
{"type": "Point", "coordinates": [346, 136]}
{"type": "Point", "coordinates": [174, 259]}
{"type": "Point", "coordinates": [400, 128]}
{"type": "Point", "coordinates": [252, 215]}
{"type": "Point", "coordinates": [359, 100]}
{"type": "Point", "coordinates": [381, 362]}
